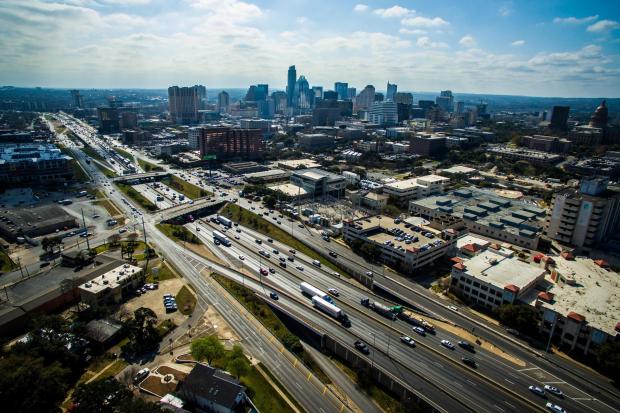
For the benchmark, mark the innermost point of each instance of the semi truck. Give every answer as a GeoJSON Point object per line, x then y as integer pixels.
{"type": "Point", "coordinates": [331, 309]}
{"type": "Point", "coordinates": [382, 309]}
{"type": "Point", "coordinates": [224, 221]}
{"type": "Point", "coordinates": [223, 239]}
{"type": "Point", "coordinates": [417, 320]}
{"type": "Point", "coordinates": [312, 291]}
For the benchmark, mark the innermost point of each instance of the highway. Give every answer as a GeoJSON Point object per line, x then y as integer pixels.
{"type": "Point", "coordinates": [437, 371]}
{"type": "Point", "coordinates": [306, 389]}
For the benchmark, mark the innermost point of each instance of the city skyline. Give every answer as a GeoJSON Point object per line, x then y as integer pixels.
{"type": "Point", "coordinates": [561, 48]}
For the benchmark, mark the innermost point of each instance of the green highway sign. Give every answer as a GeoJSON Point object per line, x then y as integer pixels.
{"type": "Point", "coordinates": [209, 157]}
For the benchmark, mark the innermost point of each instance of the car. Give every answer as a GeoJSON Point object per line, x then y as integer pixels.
{"type": "Point", "coordinates": [238, 229]}
{"type": "Point", "coordinates": [300, 268]}
{"type": "Point", "coordinates": [555, 408]}
{"type": "Point", "coordinates": [333, 292]}
{"type": "Point", "coordinates": [274, 296]}
{"type": "Point", "coordinates": [272, 270]}
{"type": "Point", "coordinates": [467, 346]}
{"type": "Point", "coordinates": [554, 390]}
{"type": "Point", "coordinates": [369, 273]}
{"type": "Point", "coordinates": [333, 254]}
{"type": "Point", "coordinates": [282, 264]}
{"type": "Point", "coordinates": [291, 259]}
{"type": "Point", "coordinates": [447, 344]}
{"type": "Point", "coordinates": [408, 341]}
{"type": "Point", "coordinates": [361, 346]}
{"type": "Point", "coordinates": [258, 241]}
{"type": "Point", "coordinates": [263, 271]}
{"type": "Point", "coordinates": [326, 238]}
{"type": "Point", "coordinates": [236, 236]}
{"type": "Point", "coordinates": [168, 296]}
{"type": "Point", "coordinates": [241, 257]}
{"type": "Point", "coordinates": [470, 362]}
{"type": "Point", "coordinates": [292, 251]}
{"type": "Point", "coordinates": [453, 308]}
{"type": "Point", "coordinates": [537, 390]}
{"type": "Point", "coordinates": [275, 251]}
{"type": "Point", "coordinates": [419, 330]}
{"type": "Point", "coordinates": [141, 375]}
{"type": "Point", "coordinates": [300, 225]}
{"type": "Point", "coordinates": [270, 240]}
{"type": "Point", "coordinates": [139, 291]}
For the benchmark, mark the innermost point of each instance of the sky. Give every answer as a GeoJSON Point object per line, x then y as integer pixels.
{"type": "Point", "coordinates": [518, 47]}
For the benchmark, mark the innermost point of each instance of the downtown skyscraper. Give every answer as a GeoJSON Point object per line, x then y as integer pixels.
{"type": "Point", "coordinates": [290, 85]}
{"type": "Point", "coordinates": [184, 103]}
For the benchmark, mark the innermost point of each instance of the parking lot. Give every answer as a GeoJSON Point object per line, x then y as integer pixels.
{"type": "Point", "coordinates": [153, 299]}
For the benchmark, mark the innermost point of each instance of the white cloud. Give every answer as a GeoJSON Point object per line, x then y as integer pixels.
{"type": "Point", "coordinates": [302, 20]}
{"type": "Point", "coordinates": [411, 31]}
{"type": "Point", "coordinates": [575, 20]}
{"type": "Point", "coordinates": [467, 41]}
{"type": "Point", "coordinates": [394, 11]}
{"type": "Point", "coordinates": [228, 10]}
{"type": "Point", "coordinates": [361, 8]}
{"type": "Point", "coordinates": [506, 9]}
{"type": "Point", "coordinates": [420, 21]}
{"type": "Point", "coordinates": [426, 43]}
{"type": "Point", "coordinates": [518, 43]}
{"type": "Point", "coordinates": [603, 26]}
{"type": "Point", "coordinates": [567, 58]}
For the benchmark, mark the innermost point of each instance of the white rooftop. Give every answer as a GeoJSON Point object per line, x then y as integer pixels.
{"type": "Point", "coordinates": [290, 189]}
{"type": "Point", "coordinates": [594, 293]}
{"type": "Point", "coordinates": [111, 279]}
{"type": "Point", "coordinates": [500, 270]}
{"type": "Point", "coordinates": [460, 169]}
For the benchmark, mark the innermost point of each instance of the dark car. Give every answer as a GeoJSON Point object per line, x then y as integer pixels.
{"type": "Point", "coordinates": [470, 362]}
{"type": "Point", "coordinates": [274, 296]}
{"type": "Point", "coordinates": [333, 254]}
{"type": "Point", "coordinates": [467, 346]}
{"type": "Point", "coordinates": [361, 346]}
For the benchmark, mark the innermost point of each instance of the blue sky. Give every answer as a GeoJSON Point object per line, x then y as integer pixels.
{"type": "Point", "coordinates": [538, 48]}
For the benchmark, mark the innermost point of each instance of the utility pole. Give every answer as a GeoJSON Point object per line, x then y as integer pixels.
{"type": "Point", "coordinates": [86, 228]}
{"type": "Point", "coordinates": [555, 322]}
{"type": "Point", "coordinates": [19, 262]}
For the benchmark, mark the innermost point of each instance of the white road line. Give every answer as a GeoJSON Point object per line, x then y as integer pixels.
{"type": "Point", "coordinates": [471, 382]}
{"type": "Point", "coordinates": [511, 382]}
{"type": "Point", "coordinates": [553, 382]}
{"type": "Point", "coordinates": [531, 368]}
{"type": "Point", "coordinates": [509, 404]}
{"type": "Point", "coordinates": [499, 408]}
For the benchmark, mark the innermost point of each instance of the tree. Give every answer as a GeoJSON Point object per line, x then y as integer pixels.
{"type": "Point", "coordinates": [207, 348]}
{"type": "Point", "coordinates": [521, 317]}
{"type": "Point", "coordinates": [608, 358]}
{"type": "Point", "coordinates": [143, 335]}
{"type": "Point", "coordinates": [238, 366]}
{"type": "Point", "coordinates": [390, 210]}
{"type": "Point", "coordinates": [100, 396]}
{"type": "Point", "coordinates": [29, 385]}
{"type": "Point", "coordinates": [114, 239]}
{"type": "Point", "coordinates": [270, 201]}
{"type": "Point", "coordinates": [370, 250]}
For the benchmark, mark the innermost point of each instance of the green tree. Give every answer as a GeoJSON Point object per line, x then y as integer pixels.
{"type": "Point", "coordinates": [521, 317]}
{"type": "Point", "coordinates": [143, 335]}
{"type": "Point", "coordinates": [100, 396]}
{"type": "Point", "coordinates": [28, 384]}
{"type": "Point", "coordinates": [608, 358]}
{"type": "Point", "coordinates": [270, 201]}
{"type": "Point", "coordinates": [238, 363]}
{"type": "Point", "coordinates": [207, 348]}
{"type": "Point", "coordinates": [390, 210]}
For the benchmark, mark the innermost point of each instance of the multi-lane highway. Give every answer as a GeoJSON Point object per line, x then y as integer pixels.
{"type": "Point", "coordinates": [436, 372]}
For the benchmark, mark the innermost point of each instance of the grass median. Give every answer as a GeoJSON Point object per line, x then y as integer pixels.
{"type": "Point", "coordinates": [178, 233]}
{"type": "Point", "coordinates": [124, 154]}
{"type": "Point", "coordinates": [148, 166]}
{"type": "Point", "coordinates": [189, 190]}
{"type": "Point", "coordinates": [136, 196]}
{"type": "Point", "coordinates": [251, 220]}
{"type": "Point", "coordinates": [263, 312]}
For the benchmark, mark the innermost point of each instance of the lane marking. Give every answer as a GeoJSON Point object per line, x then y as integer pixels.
{"type": "Point", "coordinates": [471, 382]}
{"type": "Point", "coordinates": [511, 382]}
{"type": "Point", "coordinates": [499, 408]}
{"type": "Point", "coordinates": [531, 368]}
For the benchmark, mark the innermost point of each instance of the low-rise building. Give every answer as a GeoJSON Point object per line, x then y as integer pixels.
{"type": "Point", "coordinates": [271, 175]}
{"type": "Point", "coordinates": [415, 188]}
{"type": "Point", "coordinates": [534, 157]}
{"type": "Point", "coordinates": [292, 164]}
{"type": "Point", "coordinates": [34, 222]}
{"type": "Point", "coordinates": [315, 141]}
{"type": "Point", "coordinates": [459, 171]}
{"type": "Point", "coordinates": [318, 182]}
{"type": "Point", "coordinates": [212, 390]}
{"type": "Point", "coordinates": [487, 213]}
{"type": "Point", "coordinates": [543, 143]}
{"type": "Point", "coordinates": [33, 164]}
{"type": "Point", "coordinates": [493, 276]}
{"type": "Point", "coordinates": [608, 165]}
{"type": "Point", "coordinates": [239, 168]}
{"type": "Point", "coordinates": [375, 201]}
{"type": "Point", "coordinates": [426, 144]}
{"type": "Point", "coordinates": [113, 286]}
{"type": "Point", "coordinates": [401, 244]}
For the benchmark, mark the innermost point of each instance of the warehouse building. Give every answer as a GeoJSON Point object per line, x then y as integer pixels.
{"type": "Point", "coordinates": [485, 212]}
{"type": "Point", "coordinates": [34, 222]}
{"type": "Point", "coordinates": [415, 188]}
{"type": "Point", "coordinates": [318, 182]}
{"type": "Point", "coordinates": [32, 164]}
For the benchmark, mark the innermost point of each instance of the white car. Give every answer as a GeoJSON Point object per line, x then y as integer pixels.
{"type": "Point", "coordinates": [333, 292]}
{"type": "Point", "coordinates": [419, 330]}
{"type": "Point", "coordinates": [408, 341]}
{"type": "Point", "coordinates": [241, 257]}
{"type": "Point", "coordinates": [537, 390]}
{"type": "Point", "coordinates": [300, 268]}
{"type": "Point", "coordinates": [447, 344]}
{"type": "Point", "coordinates": [554, 390]}
{"type": "Point", "coordinates": [555, 408]}
{"type": "Point", "coordinates": [142, 374]}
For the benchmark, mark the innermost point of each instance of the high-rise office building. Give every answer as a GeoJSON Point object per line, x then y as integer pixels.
{"type": "Point", "coordinates": [402, 97]}
{"type": "Point", "coordinates": [129, 120]}
{"type": "Point", "coordinates": [366, 97]}
{"type": "Point", "coordinates": [559, 117]}
{"type": "Point", "coordinates": [351, 93]}
{"type": "Point", "coordinates": [202, 96]}
{"type": "Point", "coordinates": [184, 103]}
{"type": "Point", "coordinates": [318, 92]}
{"type": "Point", "coordinates": [379, 97]}
{"type": "Point", "coordinates": [445, 101]}
{"type": "Point", "coordinates": [231, 143]}
{"type": "Point", "coordinates": [460, 107]}
{"type": "Point", "coordinates": [290, 85]}
{"type": "Point", "coordinates": [303, 97]}
{"type": "Point", "coordinates": [77, 99]}
{"type": "Point", "coordinates": [330, 95]}
{"type": "Point", "coordinates": [391, 91]}
{"type": "Point", "coordinates": [342, 89]}
{"type": "Point", "coordinates": [383, 113]}
{"type": "Point", "coordinates": [263, 90]}
{"type": "Point", "coordinates": [253, 94]}
{"type": "Point", "coordinates": [108, 120]}
{"type": "Point", "coordinates": [279, 101]}
{"type": "Point", "coordinates": [223, 101]}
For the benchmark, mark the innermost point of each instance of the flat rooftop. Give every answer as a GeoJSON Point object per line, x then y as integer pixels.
{"type": "Point", "coordinates": [267, 174]}
{"type": "Point", "coordinates": [593, 292]}
{"type": "Point", "coordinates": [382, 229]}
{"type": "Point", "coordinates": [17, 220]}
{"type": "Point", "coordinates": [460, 169]}
{"type": "Point", "coordinates": [290, 189]}
{"type": "Point", "coordinates": [111, 279]}
{"type": "Point", "coordinates": [413, 182]}
{"type": "Point", "coordinates": [530, 153]}
{"type": "Point", "coordinates": [298, 163]}
{"type": "Point", "coordinates": [501, 269]}
{"type": "Point", "coordinates": [10, 153]}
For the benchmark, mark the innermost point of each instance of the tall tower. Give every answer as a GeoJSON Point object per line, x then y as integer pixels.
{"type": "Point", "coordinates": [223, 101]}
{"type": "Point", "coordinates": [391, 91]}
{"type": "Point", "coordinates": [290, 85]}
{"type": "Point", "coordinates": [342, 89]}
